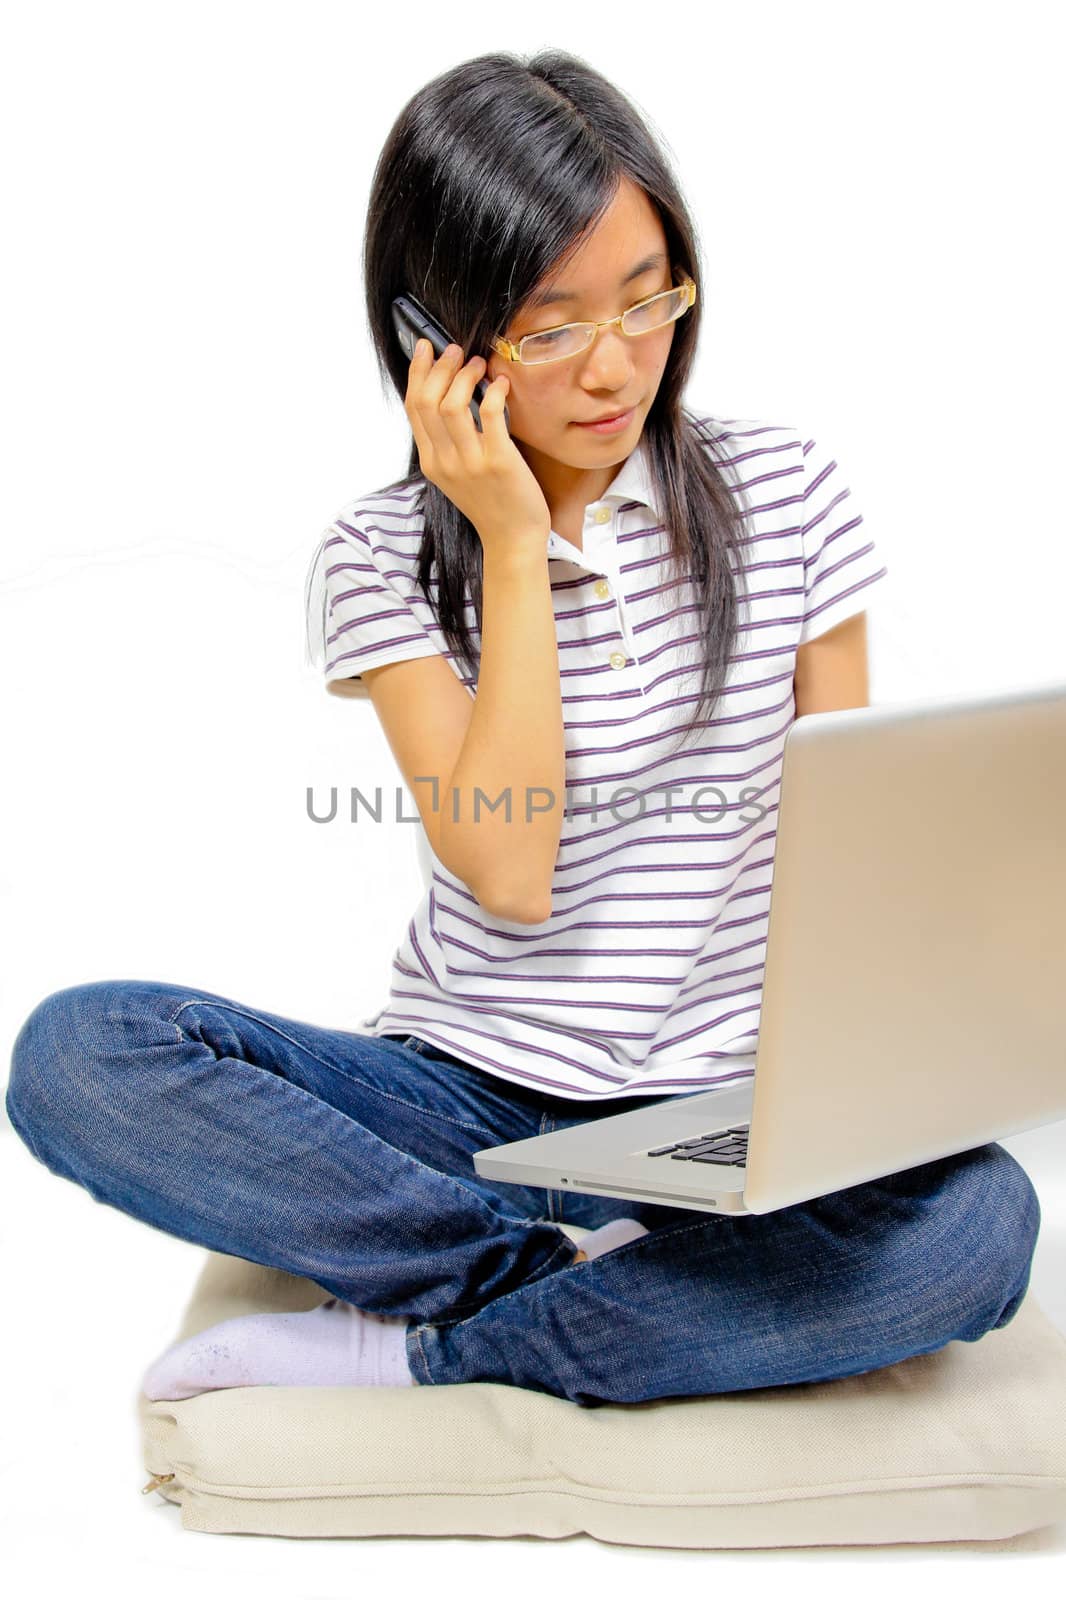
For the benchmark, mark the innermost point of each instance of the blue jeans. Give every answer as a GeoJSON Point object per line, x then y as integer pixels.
{"type": "Point", "coordinates": [346, 1159]}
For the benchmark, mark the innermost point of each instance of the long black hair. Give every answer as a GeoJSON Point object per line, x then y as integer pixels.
{"type": "Point", "coordinates": [491, 173]}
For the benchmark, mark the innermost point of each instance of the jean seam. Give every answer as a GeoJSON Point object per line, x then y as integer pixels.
{"type": "Point", "coordinates": [409, 1105]}
{"type": "Point", "coordinates": [422, 1355]}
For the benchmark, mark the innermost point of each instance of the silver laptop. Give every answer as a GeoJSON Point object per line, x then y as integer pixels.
{"type": "Point", "coordinates": [915, 965]}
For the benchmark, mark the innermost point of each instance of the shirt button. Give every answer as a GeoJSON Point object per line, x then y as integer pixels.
{"type": "Point", "coordinates": [603, 589]}
{"type": "Point", "coordinates": [602, 514]}
{"type": "Point", "coordinates": [618, 658]}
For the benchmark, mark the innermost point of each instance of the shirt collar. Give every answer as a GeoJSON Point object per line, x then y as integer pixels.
{"type": "Point", "coordinates": [632, 484]}
{"type": "Point", "coordinates": [634, 480]}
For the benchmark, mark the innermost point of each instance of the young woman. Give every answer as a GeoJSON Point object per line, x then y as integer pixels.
{"type": "Point", "coordinates": [604, 630]}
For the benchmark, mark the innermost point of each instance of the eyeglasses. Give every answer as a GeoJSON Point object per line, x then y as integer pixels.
{"type": "Point", "coordinates": [556, 344]}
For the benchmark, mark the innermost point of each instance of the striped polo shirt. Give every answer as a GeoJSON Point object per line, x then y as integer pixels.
{"type": "Point", "coordinates": [646, 978]}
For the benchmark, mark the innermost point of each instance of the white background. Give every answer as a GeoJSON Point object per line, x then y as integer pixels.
{"type": "Point", "coordinates": [188, 399]}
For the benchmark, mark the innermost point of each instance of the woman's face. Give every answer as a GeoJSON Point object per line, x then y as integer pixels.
{"type": "Point", "coordinates": [548, 402]}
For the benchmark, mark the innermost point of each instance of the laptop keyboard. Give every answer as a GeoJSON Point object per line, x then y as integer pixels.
{"type": "Point", "coordinates": [725, 1147]}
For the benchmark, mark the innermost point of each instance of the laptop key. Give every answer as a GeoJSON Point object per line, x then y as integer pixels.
{"type": "Point", "coordinates": [724, 1144]}
{"type": "Point", "coordinates": [700, 1156]}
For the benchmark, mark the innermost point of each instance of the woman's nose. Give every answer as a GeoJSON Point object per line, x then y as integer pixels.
{"type": "Point", "coordinates": [609, 361]}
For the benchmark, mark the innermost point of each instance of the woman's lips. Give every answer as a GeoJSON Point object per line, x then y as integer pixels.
{"type": "Point", "coordinates": [613, 425]}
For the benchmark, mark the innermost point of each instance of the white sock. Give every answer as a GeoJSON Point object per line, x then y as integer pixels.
{"type": "Point", "coordinates": [621, 1231]}
{"type": "Point", "coordinates": [336, 1344]}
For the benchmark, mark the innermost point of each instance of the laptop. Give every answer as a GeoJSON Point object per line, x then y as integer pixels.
{"type": "Point", "coordinates": [915, 958]}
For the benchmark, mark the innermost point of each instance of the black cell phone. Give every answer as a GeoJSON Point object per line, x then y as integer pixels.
{"type": "Point", "coordinates": [413, 322]}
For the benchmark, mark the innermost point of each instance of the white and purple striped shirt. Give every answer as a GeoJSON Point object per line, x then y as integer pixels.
{"type": "Point", "coordinates": [647, 976]}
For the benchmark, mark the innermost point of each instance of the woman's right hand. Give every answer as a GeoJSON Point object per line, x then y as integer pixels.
{"type": "Point", "coordinates": [484, 474]}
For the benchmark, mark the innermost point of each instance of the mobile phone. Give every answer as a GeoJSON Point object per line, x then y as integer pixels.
{"type": "Point", "coordinates": [413, 322]}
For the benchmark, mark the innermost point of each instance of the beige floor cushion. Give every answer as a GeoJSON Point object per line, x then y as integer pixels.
{"type": "Point", "coordinates": [968, 1443]}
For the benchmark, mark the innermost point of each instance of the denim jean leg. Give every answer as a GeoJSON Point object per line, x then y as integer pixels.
{"type": "Point", "coordinates": [849, 1282]}
{"type": "Point", "coordinates": [333, 1156]}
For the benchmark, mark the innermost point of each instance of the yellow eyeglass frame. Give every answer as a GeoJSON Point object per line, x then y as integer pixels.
{"type": "Point", "coordinates": [511, 352]}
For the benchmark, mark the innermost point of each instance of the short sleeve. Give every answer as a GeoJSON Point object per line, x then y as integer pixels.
{"type": "Point", "coordinates": [359, 606]}
{"type": "Point", "coordinates": [841, 563]}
